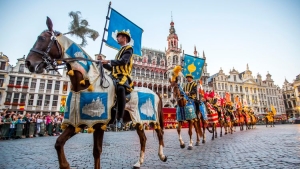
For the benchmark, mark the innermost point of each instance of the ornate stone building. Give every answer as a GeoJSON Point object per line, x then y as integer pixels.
{"type": "Point", "coordinates": [151, 70]}
{"type": "Point", "coordinates": [291, 96]}
{"type": "Point", "coordinates": [38, 93]}
{"type": "Point", "coordinates": [254, 92]}
{"type": "Point", "coordinates": [4, 66]}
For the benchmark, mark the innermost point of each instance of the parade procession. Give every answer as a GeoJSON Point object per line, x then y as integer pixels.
{"type": "Point", "coordinates": [128, 106]}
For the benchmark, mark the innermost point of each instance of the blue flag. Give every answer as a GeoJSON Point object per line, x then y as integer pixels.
{"type": "Point", "coordinates": [119, 23]}
{"type": "Point", "coordinates": [193, 66]}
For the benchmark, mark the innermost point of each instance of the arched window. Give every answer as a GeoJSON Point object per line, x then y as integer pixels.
{"type": "Point", "coordinates": [175, 59]}
{"type": "Point", "coordinates": [143, 72]}
{"type": "Point", "coordinates": [138, 72]}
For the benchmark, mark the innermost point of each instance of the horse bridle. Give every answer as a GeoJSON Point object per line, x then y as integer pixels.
{"type": "Point", "coordinates": [45, 54]}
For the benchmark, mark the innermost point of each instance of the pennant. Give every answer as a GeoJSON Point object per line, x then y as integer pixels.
{"type": "Point", "coordinates": [119, 23]}
{"type": "Point", "coordinates": [193, 66]}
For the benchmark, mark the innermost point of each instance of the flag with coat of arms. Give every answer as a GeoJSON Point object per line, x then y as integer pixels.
{"type": "Point", "coordinates": [193, 66]}
{"type": "Point", "coordinates": [117, 23]}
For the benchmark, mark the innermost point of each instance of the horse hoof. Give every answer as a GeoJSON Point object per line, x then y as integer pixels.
{"type": "Point", "coordinates": [203, 141]}
{"type": "Point", "coordinates": [190, 148]}
{"type": "Point", "coordinates": [134, 167]}
{"type": "Point", "coordinates": [182, 146]}
{"type": "Point", "coordinates": [225, 133]}
{"type": "Point", "coordinates": [197, 143]}
{"type": "Point", "coordinates": [165, 159]}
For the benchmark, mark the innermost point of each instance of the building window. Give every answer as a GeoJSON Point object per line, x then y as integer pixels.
{"type": "Point", "coordinates": [33, 84]}
{"type": "Point", "coordinates": [246, 89]}
{"type": "Point", "coordinates": [49, 84]}
{"type": "Point", "coordinates": [1, 80]}
{"type": "Point", "coordinates": [236, 88]}
{"type": "Point", "coordinates": [26, 82]}
{"type": "Point", "coordinates": [42, 84]}
{"type": "Point", "coordinates": [152, 74]}
{"type": "Point", "coordinates": [138, 72]}
{"type": "Point", "coordinates": [23, 98]}
{"type": "Point", "coordinates": [222, 86]}
{"type": "Point", "coordinates": [65, 86]}
{"type": "Point", "coordinates": [16, 97]}
{"type": "Point", "coordinates": [39, 100]}
{"type": "Point", "coordinates": [231, 88]}
{"type": "Point", "coordinates": [241, 89]}
{"type": "Point", "coordinates": [12, 80]}
{"type": "Point", "coordinates": [2, 66]}
{"type": "Point", "coordinates": [225, 86]}
{"type": "Point", "coordinates": [234, 78]}
{"type": "Point", "coordinates": [221, 77]}
{"type": "Point", "coordinates": [55, 99]}
{"type": "Point", "coordinates": [57, 85]}
{"type": "Point", "coordinates": [30, 99]}
{"type": "Point", "coordinates": [19, 80]}
{"type": "Point", "coordinates": [254, 90]}
{"type": "Point", "coordinates": [8, 97]}
{"type": "Point", "coordinates": [21, 68]}
{"type": "Point", "coordinates": [219, 87]}
{"type": "Point", "coordinates": [47, 100]}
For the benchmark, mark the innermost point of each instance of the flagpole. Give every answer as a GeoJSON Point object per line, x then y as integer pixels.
{"type": "Point", "coordinates": [107, 18]}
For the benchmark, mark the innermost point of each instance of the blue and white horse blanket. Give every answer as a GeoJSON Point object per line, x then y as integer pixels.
{"type": "Point", "coordinates": [92, 107]}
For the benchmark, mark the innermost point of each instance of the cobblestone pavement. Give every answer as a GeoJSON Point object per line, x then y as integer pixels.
{"type": "Point", "coordinates": [277, 147]}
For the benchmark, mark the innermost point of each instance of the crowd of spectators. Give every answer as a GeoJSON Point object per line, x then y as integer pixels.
{"type": "Point", "coordinates": [14, 125]}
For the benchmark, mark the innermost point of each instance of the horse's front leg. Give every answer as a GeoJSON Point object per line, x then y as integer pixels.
{"type": "Point", "coordinates": [221, 127]}
{"type": "Point", "coordinates": [160, 134]}
{"type": "Point", "coordinates": [190, 147]}
{"type": "Point", "coordinates": [203, 128]}
{"type": "Point", "coordinates": [182, 145]}
{"type": "Point", "coordinates": [198, 131]}
{"type": "Point", "coordinates": [216, 132]}
{"type": "Point", "coordinates": [143, 139]}
{"type": "Point", "coordinates": [97, 149]}
{"type": "Point", "coordinates": [59, 146]}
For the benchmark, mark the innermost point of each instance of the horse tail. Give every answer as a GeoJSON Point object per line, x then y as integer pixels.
{"type": "Point", "coordinates": [160, 113]}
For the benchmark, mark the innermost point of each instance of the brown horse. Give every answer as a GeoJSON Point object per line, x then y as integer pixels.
{"type": "Point", "coordinates": [182, 103]}
{"type": "Point", "coordinates": [50, 50]}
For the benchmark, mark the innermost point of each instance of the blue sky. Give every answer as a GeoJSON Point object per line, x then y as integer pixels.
{"type": "Point", "coordinates": [263, 33]}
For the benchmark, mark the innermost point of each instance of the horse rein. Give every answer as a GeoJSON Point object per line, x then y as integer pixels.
{"type": "Point", "coordinates": [45, 55]}
{"type": "Point", "coordinates": [56, 62]}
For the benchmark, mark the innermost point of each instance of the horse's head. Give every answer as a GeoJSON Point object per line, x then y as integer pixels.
{"type": "Point", "coordinates": [45, 50]}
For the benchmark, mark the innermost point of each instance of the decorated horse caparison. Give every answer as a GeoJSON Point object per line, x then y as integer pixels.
{"type": "Point", "coordinates": [92, 98]}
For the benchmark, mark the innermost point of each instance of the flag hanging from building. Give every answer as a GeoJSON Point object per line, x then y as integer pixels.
{"type": "Point", "coordinates": [117, 23]}
{"type": "Point", "coordinates": [193, 66]}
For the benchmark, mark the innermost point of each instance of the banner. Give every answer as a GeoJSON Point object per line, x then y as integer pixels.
{"type": "Point", "coordinates": [117, 23]}
{"type": "Point", "coordinates": [193, 65]}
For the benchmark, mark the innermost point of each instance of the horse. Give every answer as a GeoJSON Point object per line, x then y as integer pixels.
{"type": "Point", "coordinates": [185, 112]}
{"type": "Point", "coordinates": [90, 103]}
{"type": "Point", "coordinates": [213, 117]}
{"type": "Point", "coordinates": [241, 119]}
{"type": "Point", "coordinates": [229, 119]}
{"type": "Point", "coordinates": [253, 121]}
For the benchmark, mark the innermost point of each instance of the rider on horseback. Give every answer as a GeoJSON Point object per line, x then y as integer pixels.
{"type": "Point", "coordinates": [190, 89]}
{"type": "Point", "coordinates": [121, 68]}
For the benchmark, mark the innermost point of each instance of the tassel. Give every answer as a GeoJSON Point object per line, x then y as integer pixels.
{"type": "Point", "coordinates": [90, 130]}
{"type": "Point", "coordinates": [77, 129]}
{"type": "Point", "coordinates": [103, 127]}
{"type": "Point", "coordinates": [82, 82]}
{"type": "Point", "coordinates": [141, 127]}
{"type": "Point", "coordinates": [133, 124]}
{"type": "Point", "coordinates": [63, 126]}
{"type": "Point", "coordinates": [71, 72]}
{"type": "Point", "coordinates": [158, 126]}
{"type": "Point", "coordinates": [155, 126]}
{"type": "Point", "coordinates": [59, 62]}
{"type": "Point", "coordinates": [91, 88]}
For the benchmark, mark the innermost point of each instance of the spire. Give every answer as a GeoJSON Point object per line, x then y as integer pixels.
{"type": "Point", "coordinates": [204, 55]}
{"type": "Point", "coordinates": [195, 51]}
{"type": "Point", "coordinates": [171, 17]}
{"type": "Point", "coordinates": [247, 67]}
